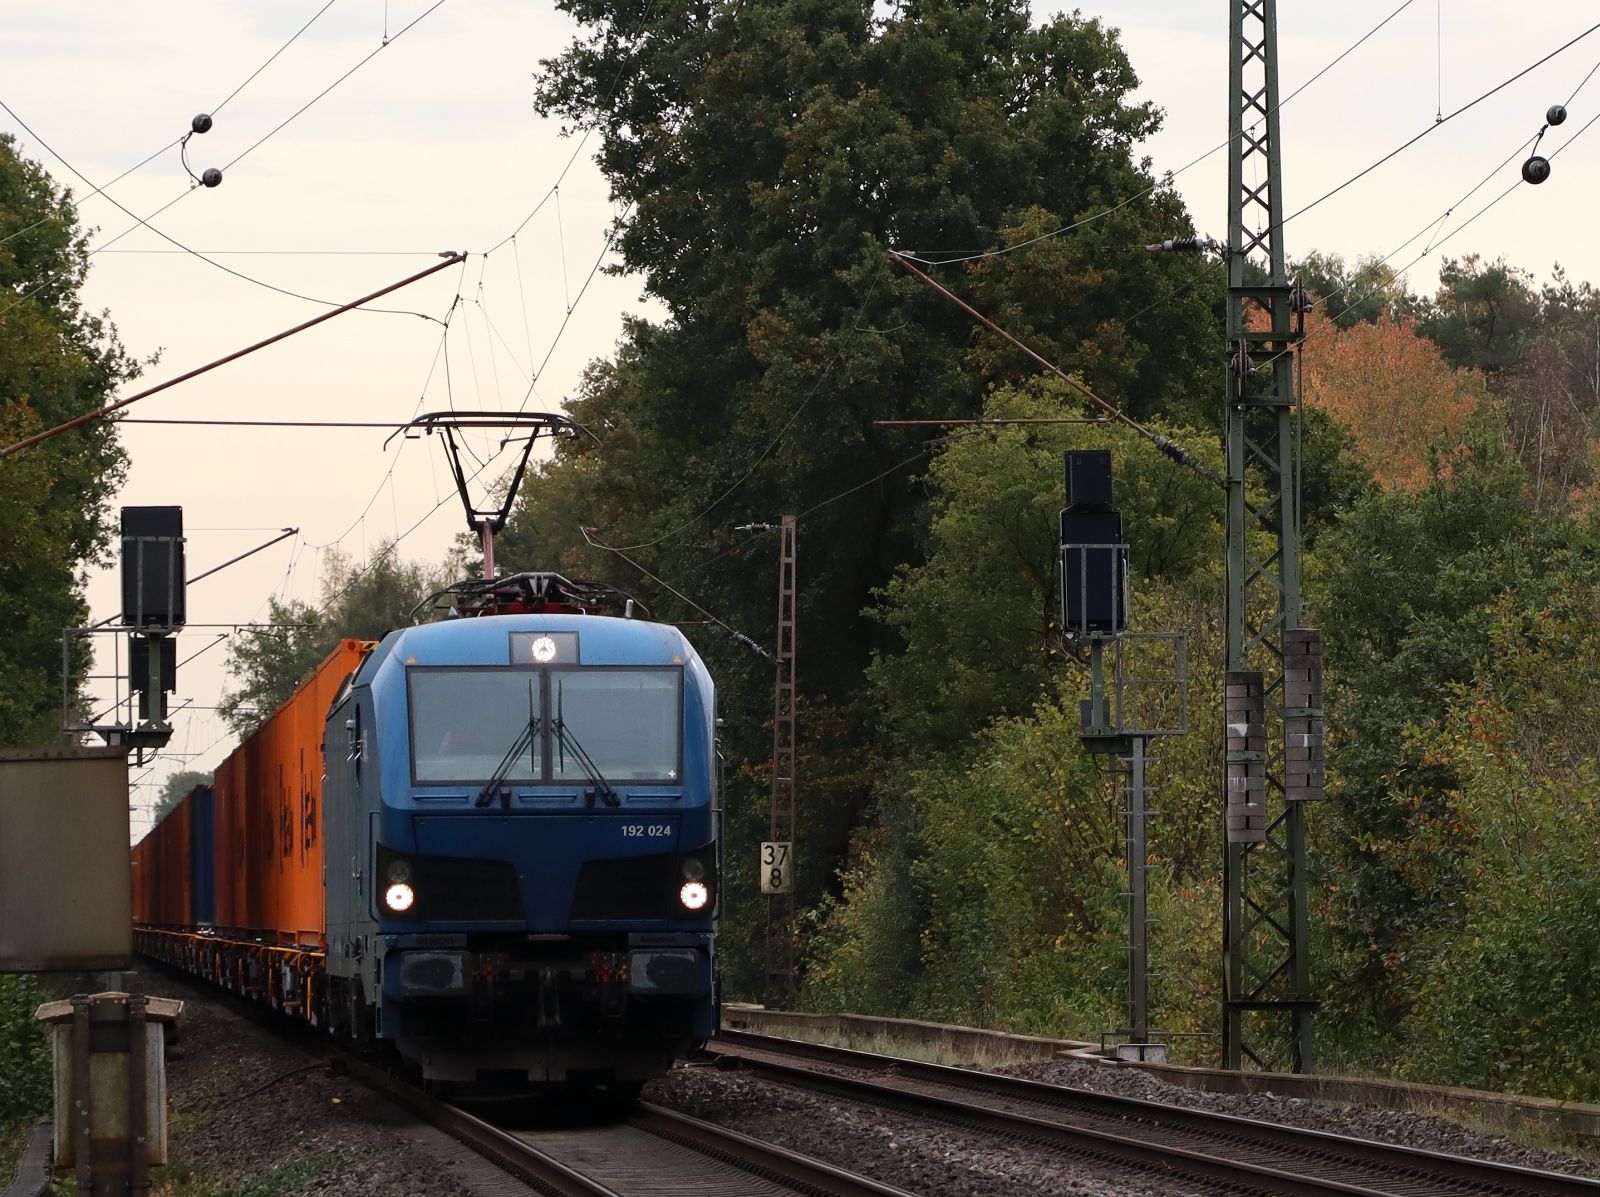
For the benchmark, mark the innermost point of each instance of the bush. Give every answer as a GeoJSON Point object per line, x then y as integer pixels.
{"type": "Point", "coordinates": [24, 1051]}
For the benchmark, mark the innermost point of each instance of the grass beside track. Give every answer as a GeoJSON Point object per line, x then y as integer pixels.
{"type": "Point", "coordinates": [12, 1140]}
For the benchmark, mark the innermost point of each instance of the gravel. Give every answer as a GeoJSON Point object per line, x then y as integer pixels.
{"type": "Point", "coordinates": [257, 1114]}
{"type": "Point", "coordinates": [1366, 1122]}
{"type": "Point", "coordinates": [941, 1161]}
{"type": "Point", "coordinates": [919, 1156]}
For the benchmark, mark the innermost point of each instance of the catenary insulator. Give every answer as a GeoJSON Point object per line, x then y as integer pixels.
{"type": "Point", "coordinates": [212, 177]}
{"type": "Point", "coordinates": [1536, 170]}
{"type": "Point", "coordinates": [1556, 114]}
{"type": "Point", "coordinates": [201, 123]}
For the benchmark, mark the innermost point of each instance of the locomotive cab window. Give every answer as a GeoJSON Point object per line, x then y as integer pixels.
{"type": "Point", "coordinates": [465, 722]}
{"type": "Point", "coordinates": [627, 721]}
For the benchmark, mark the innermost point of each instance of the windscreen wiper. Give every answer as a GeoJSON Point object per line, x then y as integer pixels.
{"type": "Point", "coordinates": [521, 744]}
{"type": "Point", "coordinates": [565, 740]}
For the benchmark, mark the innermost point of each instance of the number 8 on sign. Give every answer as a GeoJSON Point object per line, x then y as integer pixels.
{"type": "Point", "coordinates": [776, 870]}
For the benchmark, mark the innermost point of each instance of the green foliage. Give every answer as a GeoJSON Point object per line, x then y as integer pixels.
{"type": "Point", "coordinates": [991, 891]}
{"type": "Point", "coordinates": [1524, 955]}
{"type": "Point", "coordinates": [57, 361]}
{"type": "Point", "coordinates": [989, 888]}
{"type": "Point", "coordinates": [1406, 591]}
{"type": "Point", "coordinates": [979, 621]}
{"type": "Point", "coordinates": [24, 1051]}
{"type": "Point", "coordinates": [769, 157]}
{"type": "Point", "coordinates": [176, 789]}
{"type": "Point", "coordinates": [268, 662]}
{"type": "Point", "coordinates": [1361, 293]}
{"type": "Point", "coordinates": [1485, 314]}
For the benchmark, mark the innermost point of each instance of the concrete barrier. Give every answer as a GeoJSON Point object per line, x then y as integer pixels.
{"type": "Point", "coordinates": [1498, 1111]}
{"type": "Point", "coordinates": [957, 1042]}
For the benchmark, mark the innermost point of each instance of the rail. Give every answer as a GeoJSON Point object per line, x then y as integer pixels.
{"type": "Point", "coordinates": [1264, 1157]}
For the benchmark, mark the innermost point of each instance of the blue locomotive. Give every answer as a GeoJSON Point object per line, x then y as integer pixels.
{"type": "Point", "coordinates": [518, 825]}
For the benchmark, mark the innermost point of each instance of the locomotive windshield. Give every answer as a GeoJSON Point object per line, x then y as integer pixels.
{"type": "Point", "coordinates": [626, 719]}
{"type": "Point", "coordinates": [465, 720]}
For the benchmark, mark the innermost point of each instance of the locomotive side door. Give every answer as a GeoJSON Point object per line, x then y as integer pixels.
{"type": "Point", "coordinates": [345, 742]}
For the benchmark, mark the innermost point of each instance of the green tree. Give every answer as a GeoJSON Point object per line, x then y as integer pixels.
{"type": "Point", "coordinates": [767, 158]}
{"type": "Point", "coordinates": [1361, 293]}
{"type": "Point", "coordinates": [995, 847]}
{"type": "Point", "coordinates": [1405, 590]}
{"type": "Point", "coordinates": [770, 156]}
{"type": "Point", "coordinates": [56, 361]}
{"type": "Point", "coordinates": [979, 621]}
{"type": "Point", "coordinates": [24, 1051]}
{"type": "Point", "coordinates": [1522, 955]}
{"type": "Point", "coordinates": [269, 661]}
{"type": "Point", "coordinates": [176, 789]}
{"type": "Point", "coordinates": [1551, 396]}
{"type": "Point", "coordinates": [1485, 315]}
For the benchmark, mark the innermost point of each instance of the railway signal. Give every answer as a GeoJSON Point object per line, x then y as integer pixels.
{"type": "Point", "coordinates": [1123, 714]}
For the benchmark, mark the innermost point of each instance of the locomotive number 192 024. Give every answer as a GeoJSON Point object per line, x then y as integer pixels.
{"type": "Point", "coordinates": [642, 831]}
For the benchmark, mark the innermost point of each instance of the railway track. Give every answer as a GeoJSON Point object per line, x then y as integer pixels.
{"type": "Point", "coordinates": [655, 1151]}
{"type": "Point", "coordinates": [1178, 1142]}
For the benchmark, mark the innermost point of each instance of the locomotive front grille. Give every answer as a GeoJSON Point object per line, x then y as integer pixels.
{"type": "Point", "coordinates": [627, 887]}
{"type": "Point", "coordinates": [459, 889]}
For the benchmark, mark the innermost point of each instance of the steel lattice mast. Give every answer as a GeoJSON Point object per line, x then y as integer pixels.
{"type": "Point", "coordinates": [780, 904]}
{"type": "Point", "coordinates": [1267, 1002]}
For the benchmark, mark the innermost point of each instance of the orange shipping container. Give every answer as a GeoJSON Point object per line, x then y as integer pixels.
{"type": "Point", "coordinates": [269, 814]}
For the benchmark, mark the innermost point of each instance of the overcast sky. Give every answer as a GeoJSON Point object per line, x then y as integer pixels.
{"type": "Point", "coordinates": [432, 145]}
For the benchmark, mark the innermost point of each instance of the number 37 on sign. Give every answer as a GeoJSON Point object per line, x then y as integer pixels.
{"type": "Point", "coordinates": [777, 867]}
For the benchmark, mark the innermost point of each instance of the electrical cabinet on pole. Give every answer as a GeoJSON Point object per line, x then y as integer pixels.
{"type": "Point", "coordinates": [1273, 737]}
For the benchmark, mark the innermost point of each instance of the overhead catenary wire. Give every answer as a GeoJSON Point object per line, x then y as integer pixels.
{"type": "Point", "coordinates": [1165, 444]}
{"type": "Point", "coordinates": [144, 222]}
{"type": "Point", "coordinates": [1445, 119]}
{"type": "Point", "coordinates": [1167, 177]}
{"type": "Point", "coordinates": [1433, 244]}
{"type": "Point", "coordinates": [300, 111]}
{"type": "Point", "coordinates": [450, 259]}
{"type": "Point", "coordinates": [294, 37]}
{"type": "Point", "coordinates": [144, 162]}
{"type": "Point", "coordinates": [43, 220]}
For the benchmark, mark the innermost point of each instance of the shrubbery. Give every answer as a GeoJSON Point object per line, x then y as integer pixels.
{"type": "Point", "coordinates": [24, 1051]}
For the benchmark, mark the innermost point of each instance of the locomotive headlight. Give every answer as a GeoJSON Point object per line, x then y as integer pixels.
{"type": "Point", "coordinates": [400, 897]}
{"type": "Point", "coordinates": [400, 870]}
{"type": "Point", "coordinates": [694, 869]}
{"type": "Point", "coordinates": [694, 895]}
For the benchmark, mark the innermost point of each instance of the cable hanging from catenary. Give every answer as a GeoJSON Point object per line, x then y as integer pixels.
{"type": "Point", "coordinates": [1166, 445]}
{"type": "Point", "coordinates": [1434, 243]}
{"type": "Point", "coordinates": [582, 141]}
{"type": "Point", "coordinates": [176, 140]}
{"type": "Point", "coordinates": [588, 536]}
{"type": "Point", "coordinates": [144, 222]}
{"type": "Point", "coordinates": [1446, 119]}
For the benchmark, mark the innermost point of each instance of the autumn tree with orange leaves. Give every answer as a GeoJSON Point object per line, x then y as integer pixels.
{"type": "Point", "coordinates": [1392, 390]}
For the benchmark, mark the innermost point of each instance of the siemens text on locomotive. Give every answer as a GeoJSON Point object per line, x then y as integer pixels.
{"type": "Point", "coordinates": [490, 842]}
